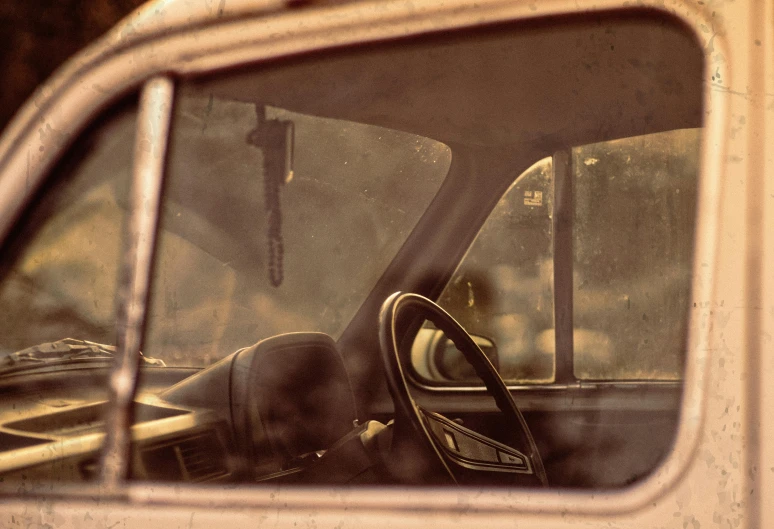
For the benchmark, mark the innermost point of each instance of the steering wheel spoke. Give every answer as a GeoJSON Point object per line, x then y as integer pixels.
{"type": "Point", "coordinates": [455, 450]}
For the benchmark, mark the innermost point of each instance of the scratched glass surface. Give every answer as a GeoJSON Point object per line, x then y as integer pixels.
{"type": "Point", "coordinates": [503, 289]}
{"type": "Point", "coordinates": [61, 282]}
{"type": "Point", "coordinates": [58, 286]}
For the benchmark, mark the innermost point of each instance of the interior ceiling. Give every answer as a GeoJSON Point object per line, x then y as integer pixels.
{"type": "Point", "coordinates": [559, 81]}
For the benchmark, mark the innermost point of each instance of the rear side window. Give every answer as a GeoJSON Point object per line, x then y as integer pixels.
{"type": "Point", "coordinates": [634, 207]}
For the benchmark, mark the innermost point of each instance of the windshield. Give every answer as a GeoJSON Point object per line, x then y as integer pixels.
{"type": "Point", "coordinates": [235, 267]}
{"type": "Point", "coordinates": [232, 266]}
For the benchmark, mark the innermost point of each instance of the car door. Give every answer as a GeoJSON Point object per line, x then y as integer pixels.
{"type": "Point", "coordinates": [699, 403]}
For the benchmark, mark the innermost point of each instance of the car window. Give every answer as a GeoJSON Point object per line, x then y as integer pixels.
{"type": "Point", "coordinates": [634, 202]}
{"type": "Point", "coordinates": [503, 289]}
{"type": "Point", "coordinates": [61, 281]}
{"type": "Point", "coordinates": [301, 196]}
{"type": "Point", "coordinates": [233, 267]}
{"type": "Point", "coordinates": [635, 208]}
{"type": "Point", "coordinates": [58, 290]}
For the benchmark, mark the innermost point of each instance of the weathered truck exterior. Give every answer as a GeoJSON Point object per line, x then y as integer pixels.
{"type": "Point", "coordinates": [720, 472]}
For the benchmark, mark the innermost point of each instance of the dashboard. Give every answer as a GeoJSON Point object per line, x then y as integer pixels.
{"type": "Point", "coordinates": [52, 429]}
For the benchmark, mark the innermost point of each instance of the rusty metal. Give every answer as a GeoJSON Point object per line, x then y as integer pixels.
{"type": "Point", "coordinates": [147, 177]}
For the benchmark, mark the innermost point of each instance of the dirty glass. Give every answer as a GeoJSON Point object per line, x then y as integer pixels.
{"type": "Point", "coordinates": [354, 194]}
{"type": "Point", "coordinates": [503, 290]}
{"type": "Point", "coordinates": [61, 282]}
{"type": "Point", "coordinates": [635, 208]}
{"type": "Point", "coordinates": [58, 287]}
{"type": "Point", "coordinates": [634, 215]}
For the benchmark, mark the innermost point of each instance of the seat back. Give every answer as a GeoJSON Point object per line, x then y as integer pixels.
{"type": "Point", "coordinates": [290, 396]}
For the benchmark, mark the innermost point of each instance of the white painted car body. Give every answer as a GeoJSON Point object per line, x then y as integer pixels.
{"type": "Point", "coordinates": [720, 472]}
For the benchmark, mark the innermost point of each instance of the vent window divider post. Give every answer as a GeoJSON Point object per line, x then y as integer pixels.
{"type": "Point", "coordinates": [563, 218]}
{"type": "Point", "coordinates": [152, 136]}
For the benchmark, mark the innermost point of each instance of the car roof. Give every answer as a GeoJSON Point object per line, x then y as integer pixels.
{"type": "Point", "coordinates": [533, 82]}
{"type": "Point", "coordinates": [557, 84]}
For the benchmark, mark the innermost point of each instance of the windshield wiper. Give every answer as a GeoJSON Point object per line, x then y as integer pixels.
{"type": "Point", "coordinates": [63, 352]}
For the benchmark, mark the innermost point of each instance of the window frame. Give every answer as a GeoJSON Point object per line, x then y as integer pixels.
{"type": "Point", "coordinates": [563, 261]}
{"type": "Point", "coordinates": [72, 101]}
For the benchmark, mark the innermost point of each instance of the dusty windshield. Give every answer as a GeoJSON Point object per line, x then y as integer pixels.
{"type": "Point", "coordinates": [235, 267]}
{"type": "Point", "coordinates": [232, 266]}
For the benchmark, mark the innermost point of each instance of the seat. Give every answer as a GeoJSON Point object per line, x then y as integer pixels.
{"type": "Point", "coordinates": [290, 397]}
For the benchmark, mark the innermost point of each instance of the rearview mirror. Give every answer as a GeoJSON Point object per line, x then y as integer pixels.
{"type": "Point", "coordinates": [434, 357]}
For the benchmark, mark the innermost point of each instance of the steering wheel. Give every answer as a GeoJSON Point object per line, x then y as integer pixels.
{"type": "Point", "coordinates": [415, 426]}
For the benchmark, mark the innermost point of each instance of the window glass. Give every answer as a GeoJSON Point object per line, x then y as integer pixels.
{"type": "Point", "coordinates": [355, 193]}
{"type": "Point", "coordinates": [58, 291]}
{"type": "Point", "coordinates": [635, 207]}
{"type": "Point", "coordinates": [503, 290]}
{"type": "Point", "coordinates": [62, 281]}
